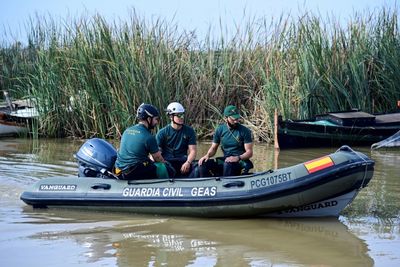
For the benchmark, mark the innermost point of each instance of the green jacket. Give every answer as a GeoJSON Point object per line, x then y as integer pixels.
{"type": "Point", "coordinates": [175, 143]}
{"type": "Point", "coordinates": [232, 140]}
{"type": "Point", "coordinates": [137, 143]}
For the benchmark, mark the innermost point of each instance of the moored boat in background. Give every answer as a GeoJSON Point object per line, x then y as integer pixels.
{"type": "Point", "coordinates": [353, 128]}
{"type": "Point", "coordinates": [16, 117]}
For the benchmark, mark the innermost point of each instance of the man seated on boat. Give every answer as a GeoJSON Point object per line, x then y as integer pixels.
{"type": "Point", "coordinates": [237, 146]}
{"type": "Point", "coordinates": [177, 141]}
{"type": "Point", "coordinates": [137, 143]}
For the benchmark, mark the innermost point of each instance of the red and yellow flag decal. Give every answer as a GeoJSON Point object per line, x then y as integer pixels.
{"type": "Point", "coordinates": [318, 164]}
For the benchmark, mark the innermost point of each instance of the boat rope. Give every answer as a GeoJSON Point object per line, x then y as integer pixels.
{"type": "Point", "coordinates": [344, 148]}
{"type": "Point", "coordinates": [365, 172]}
{"type": "Point", "coordinates": [172, 180]}
{"type": "Point", "coordinates": [199, 179]}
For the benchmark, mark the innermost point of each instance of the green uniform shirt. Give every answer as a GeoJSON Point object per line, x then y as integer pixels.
{"type": "Point", "coordinates": [175, 143]}
{"type": "Point", "coordinates": [136, 144]}
{"type": "Point", "coordinates": [232, 140]}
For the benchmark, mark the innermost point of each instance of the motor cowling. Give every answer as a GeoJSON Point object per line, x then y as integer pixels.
{"type": "Point", "coordinates": [95, 156]}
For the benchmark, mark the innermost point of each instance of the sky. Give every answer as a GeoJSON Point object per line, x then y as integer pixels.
{"type": "Point", "coordinates": [189, 15]}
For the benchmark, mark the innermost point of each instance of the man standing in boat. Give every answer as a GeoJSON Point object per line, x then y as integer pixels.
{"type": "Point", "coordinates": [237, 146]}
{"type": "Point", "coordinates": [177, 141]}
{"type": "Point", "coordinates": [137, 143]}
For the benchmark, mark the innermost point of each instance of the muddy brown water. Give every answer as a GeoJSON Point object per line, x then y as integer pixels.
{"type": "Point", "coordinates": [366, 234]}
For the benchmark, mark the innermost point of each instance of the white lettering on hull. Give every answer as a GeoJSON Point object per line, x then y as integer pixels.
{"type": "Point", "coordinates": [57, 187]}
{"type": "Point", "coordinates": [203, 191]}
{"type": "Point", "coordinates": [167, 192]}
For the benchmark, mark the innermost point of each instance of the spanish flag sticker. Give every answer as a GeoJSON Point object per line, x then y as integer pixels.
{"type": "Point", "coordinates": [318, 164]}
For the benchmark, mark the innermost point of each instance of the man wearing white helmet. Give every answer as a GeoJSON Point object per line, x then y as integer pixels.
{"type": "Point", "coordinates": [177, 141]}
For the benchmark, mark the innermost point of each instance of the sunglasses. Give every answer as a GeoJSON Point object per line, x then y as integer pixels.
{"type": "Point", "coordinates": [180, 115]}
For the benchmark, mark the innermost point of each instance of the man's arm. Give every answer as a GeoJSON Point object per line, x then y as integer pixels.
{"type": "Point", "coordinates": [157, 157]}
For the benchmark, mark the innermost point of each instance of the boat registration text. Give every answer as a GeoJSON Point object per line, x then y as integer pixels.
{"type": "Point", "coordinates": [271, 180]}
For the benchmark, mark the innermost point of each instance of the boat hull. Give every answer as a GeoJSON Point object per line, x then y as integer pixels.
{"type": "Point", "coordinates": [390, 142]}
{"type": "Point", "coordinates": [12, 129]}
{"type": "Point", "coordinates": [326, 208]}
{"type": "Point", "coordinates": [312, 133]}
{"type": "Point", "coordinates": [18, 122]}
{"type": "Point", "coordinates": [243, 196]}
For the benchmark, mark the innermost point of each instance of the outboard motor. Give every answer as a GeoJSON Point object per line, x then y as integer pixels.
{"type": "Point", "coordinates": [96, 158]}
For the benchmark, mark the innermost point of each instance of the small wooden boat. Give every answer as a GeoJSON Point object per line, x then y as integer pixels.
{"type": "Point", "coordinates": [319, 187]}
{"type": "Point", "coordinates": [11, 128]}
{"type": "Point", "coordinates": [16, 117]}
{"type": "Point", "coordinates": [353, 128]}
{"type": "Point", "coordinates": [16, 122]}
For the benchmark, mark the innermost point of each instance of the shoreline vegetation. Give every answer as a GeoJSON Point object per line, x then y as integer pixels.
{"type": "Point", "coordinates": [88, 75]}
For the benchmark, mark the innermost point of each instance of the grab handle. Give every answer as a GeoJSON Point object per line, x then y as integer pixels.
{"type": "Point", "coordinates": [233, 184]}
{"type": "Point", "coordinates": [101, 186]}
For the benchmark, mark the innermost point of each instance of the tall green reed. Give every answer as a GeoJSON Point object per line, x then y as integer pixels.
{"type": "Point", "coordinates": [88, 75]}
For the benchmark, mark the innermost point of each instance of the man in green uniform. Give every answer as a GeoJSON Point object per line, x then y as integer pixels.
{"type": "Point", "coordinates": [237, 146]}
{"type": "Point", "coordinates": [177, 141]}
{"type": "Point", "coordinates": [137, 143]}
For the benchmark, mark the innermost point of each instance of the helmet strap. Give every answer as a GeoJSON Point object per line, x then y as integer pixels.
{"type": "Point", "coordinates": [174, 122]}
{"type": "Point", "coordinates": [150, 125]}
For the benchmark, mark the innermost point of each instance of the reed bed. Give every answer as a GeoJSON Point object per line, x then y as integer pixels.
{"type": "Point", "coordinates": [88, 75]}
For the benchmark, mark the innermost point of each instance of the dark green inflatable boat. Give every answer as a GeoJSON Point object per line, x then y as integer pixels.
{"type": "Point", "coordinates": [320, 187]}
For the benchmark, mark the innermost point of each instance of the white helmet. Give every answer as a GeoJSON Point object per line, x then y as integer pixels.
{"type": "Point", "coordinates": [175, 107]}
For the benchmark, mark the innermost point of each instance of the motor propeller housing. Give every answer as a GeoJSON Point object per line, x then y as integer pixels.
{"type": "Point", "coordinates": [94, 156]}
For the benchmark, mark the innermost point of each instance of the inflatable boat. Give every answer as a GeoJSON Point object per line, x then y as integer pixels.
{"type": "Point", "coordinates": [318, 188]}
